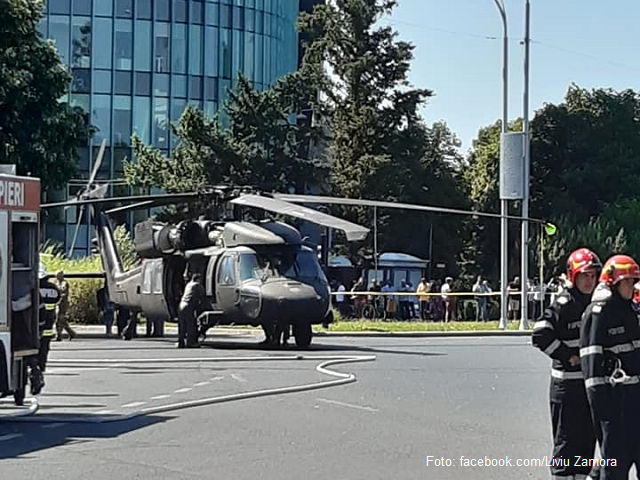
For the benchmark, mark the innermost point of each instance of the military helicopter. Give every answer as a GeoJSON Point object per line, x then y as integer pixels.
{"type": "Point", "coordinates": [257, 272]}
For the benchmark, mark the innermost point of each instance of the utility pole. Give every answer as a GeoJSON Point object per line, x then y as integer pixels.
{"type": "Point", "coordinates": [524, 241]}
{"type": "Point", "coordinates": [504, 204]}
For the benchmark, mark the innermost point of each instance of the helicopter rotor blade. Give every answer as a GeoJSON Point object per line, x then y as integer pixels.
{"type": "Point", "coordinates": [353, 231]}
{"type": "Point", "coordinates": [317, 199]}
{"type": "Point", "coordinates": [75, 233]}
{"type": "Point", "coordinates": [97, 164]}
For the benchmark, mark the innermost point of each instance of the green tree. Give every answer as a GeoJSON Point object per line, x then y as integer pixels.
{"type": "Point", "coordinates": [38, 133]}
{"type": "Point", "coordinates": [584, 157]}
{"type": "Point", "coordinates": [379, 146]}
{"type": "Point", "coordinates": [263, 144]}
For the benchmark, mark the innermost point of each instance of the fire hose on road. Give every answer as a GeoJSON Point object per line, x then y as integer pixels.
{"type": "Point", "coordinates": [27, 414]}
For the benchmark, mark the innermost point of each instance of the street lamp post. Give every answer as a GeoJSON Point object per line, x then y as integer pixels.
{"type": "Point", "coordinates": [504, 205]}
{"type": "Point", "coordinates": [524, 241]}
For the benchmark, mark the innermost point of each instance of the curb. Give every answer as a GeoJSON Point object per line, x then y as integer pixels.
{"type": "Point", "coordinates": [247, 332]}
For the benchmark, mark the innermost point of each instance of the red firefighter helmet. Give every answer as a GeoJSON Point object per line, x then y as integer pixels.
{"type": "Point", "coordinates": [636, 293]}
{"type": "Point", "coordinates": [618, 268]}
{"type": "Point", "coordinates": [580, 261]}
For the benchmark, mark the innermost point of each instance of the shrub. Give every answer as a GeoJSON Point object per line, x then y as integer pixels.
{"type": "Point", "coordinates": [83, 305]}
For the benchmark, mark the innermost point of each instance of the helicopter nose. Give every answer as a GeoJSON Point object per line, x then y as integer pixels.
{"type": "Point", "coordinates": [293, 301]}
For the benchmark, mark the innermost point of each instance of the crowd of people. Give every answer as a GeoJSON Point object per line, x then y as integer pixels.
{"type": "Point", "coordinates": [440, 300]}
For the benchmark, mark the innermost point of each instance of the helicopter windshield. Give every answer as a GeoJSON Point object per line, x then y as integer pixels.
{"type": "Point", "coordinates": [303, 266]}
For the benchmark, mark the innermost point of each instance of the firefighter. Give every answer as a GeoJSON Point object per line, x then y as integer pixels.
{"type": "Point", "coordinates": [49, 296]}
{"type": "Point", "coordinates": [187, 313]}
{"type": "Point", "coordinates": [557, 334]}
{"type": "Point", "coordinates": [610, 358]}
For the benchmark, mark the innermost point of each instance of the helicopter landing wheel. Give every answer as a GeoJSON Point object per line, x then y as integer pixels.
{"type": "Point", "coordinates": [303, 334]}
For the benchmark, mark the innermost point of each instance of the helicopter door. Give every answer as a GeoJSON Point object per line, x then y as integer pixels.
{"type": "Point", "coordinates": [228, 286]}
{"type": "Point", "coordinates": [153, 303]}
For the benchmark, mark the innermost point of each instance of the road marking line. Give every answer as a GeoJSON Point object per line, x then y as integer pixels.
{"type": "Point", "coordinates": [160, 397]}
{"type": "Point", "coordinates": [183, 390]}
{"type": "Point", "coordinates": [133, 404]}
{"type": "Point", "coordinates": [54, 425]}
{"type": "Point", "coordinates": [201, 384]}
{"type": "Point", "coordinates": [11, 436]}
{"type": "Point", "coordinates": [238, 378]}
{"type": "Point", "coordinates": [342, 404]}
{"type": "Point", "coordinates": [216, 378]}
{"type": "Point", "coordinates": [104, 412]}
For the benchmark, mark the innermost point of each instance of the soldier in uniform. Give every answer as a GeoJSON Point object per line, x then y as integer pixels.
{"type": "Point", "coordinates": [610, 357]}
{"type": "Point", "coordinates": [187, 313]}
{"type": "Point", "coordinates": [557, 334]}
{"type": "Point", "coordinates": [62, 323]}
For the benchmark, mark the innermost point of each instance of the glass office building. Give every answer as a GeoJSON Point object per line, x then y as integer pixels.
{"type": "Point", "coordinates": [136, 64]}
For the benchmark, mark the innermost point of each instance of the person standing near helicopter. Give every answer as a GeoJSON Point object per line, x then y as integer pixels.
{"type": "Point", "coordinates": [187, 312]}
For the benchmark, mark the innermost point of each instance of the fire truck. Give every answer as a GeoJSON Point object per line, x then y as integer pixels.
{"type": "Point", "coordinates": [19, 296]}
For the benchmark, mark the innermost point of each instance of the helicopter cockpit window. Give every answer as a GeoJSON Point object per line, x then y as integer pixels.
{"type": "Point", "coordinates": [308, 266]}
{"type": "Point", "coordinates": [249, 267]}
{"type": "Point", "coordinates": [227, 272]}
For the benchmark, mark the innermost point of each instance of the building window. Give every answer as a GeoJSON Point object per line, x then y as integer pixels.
{"type": "Point", "coordinates": [81, 80]}
{"type": "Point", "coordinates": [237, 64]}
{"type": "Point", "coordinates": [161, 84]}
{"type": "Point", "coordinates": [179, 46]}
{"type": "Point", "coordinates": [61, 7]}
{"type": "Point", "coordinates": [121, 120]}
{"type": "Point", "coordinates": [212, 14]}
{"type": "Point", "coordinates": [102, 81]}
{"type": "Point", "coordinates": [143, 45]}
{"type": "Point", "coordinates": [195, 50]}
{"type": "Point", "coordinates": [250, 20]}
{"type": "Point", "coordinates": [249, 55]}
{"type": "Point", "coordinates": [141, 118]}
{"type": "Point", "coordinates": [210, 89]}
{"type": "Point", "coordinates": [124, 45]}
{"type": "Point", "coordinates": [162, 47]}
{"type": "Point", "coordinates": [225, 16]}
{"type": "Point", "coordinates": [259, 54]}
{"type": "Point", "coordinates": [180, 11]}
{"type": "Point", "coordinates": [179, 86]}
{"type": "Point", "coordinates": [82, 7]}
{"type": "Point", "coordinates": [163, 10]}
{"type": "Point", "coordinates": [143, 83]}
{"type": "Point", "coordinates": [123, 83]}
{"type": "Point", "coordinates": [101, 118]}
{"type": "Point", "coordinates": [102, 50]}
{"type": "Point", "coordinates": [177, 107]}
{"type": "Point", "coordinates": [143, 9]}
{"type": "Point", "coordinates": [81, 42]}
{"type": "Point", "coordinates": [197, 12]}
{"type": "Point", "coordinates": [104, 8]}
{"type": "Point", "coordinates": [238, 18]}
{"type": "Point", "coordinates": [81, 101]}
{"type": "Point", "coordinates": [59, 33]}
{"type": "Point", "coordinates": [161, 123]}
{"type": "Point", "coordinates": [211, 51]}
{"type": "Point", "coordinates": [195, 88]}
{"type": "Point", "coordinates": [225, 53]}
{"type": "Point", "coordinates": [124, 8]}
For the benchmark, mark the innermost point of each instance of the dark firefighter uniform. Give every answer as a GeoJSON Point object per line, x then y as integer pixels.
{"type": "Point", "coordinates": [557, 334]}
{"type": "Point", "coordinates": [49, 296]}
{"type": "Point", "coordinates": [610, 339]}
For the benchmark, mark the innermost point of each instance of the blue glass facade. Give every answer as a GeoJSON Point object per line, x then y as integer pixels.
{"type": "Point", "coordinates": [136, 64]}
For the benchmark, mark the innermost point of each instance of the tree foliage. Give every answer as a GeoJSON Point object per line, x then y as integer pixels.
{"type": "Point", "coordinates": [584, 157]}
{"type": "Point", "coordinates": [380, 147]}
{"type": "Point", "coordinates": [262, 144]}
{"type": "Point", "coordinates": [38, 133]}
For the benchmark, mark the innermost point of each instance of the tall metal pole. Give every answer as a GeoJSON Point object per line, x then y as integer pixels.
{"type": "Point", "coordinates": [524, 241]}
{"type": "Point", "coordinates": [375, 240]}
{"type": "Point", "coordinates": [504, 205]}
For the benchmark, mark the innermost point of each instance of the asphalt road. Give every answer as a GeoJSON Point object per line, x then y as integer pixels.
{"type": "Point", "coordinates": [445, 398]}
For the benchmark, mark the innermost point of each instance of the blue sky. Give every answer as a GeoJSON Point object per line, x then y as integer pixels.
{"type": "Point", "coordinates": [592, 43]}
